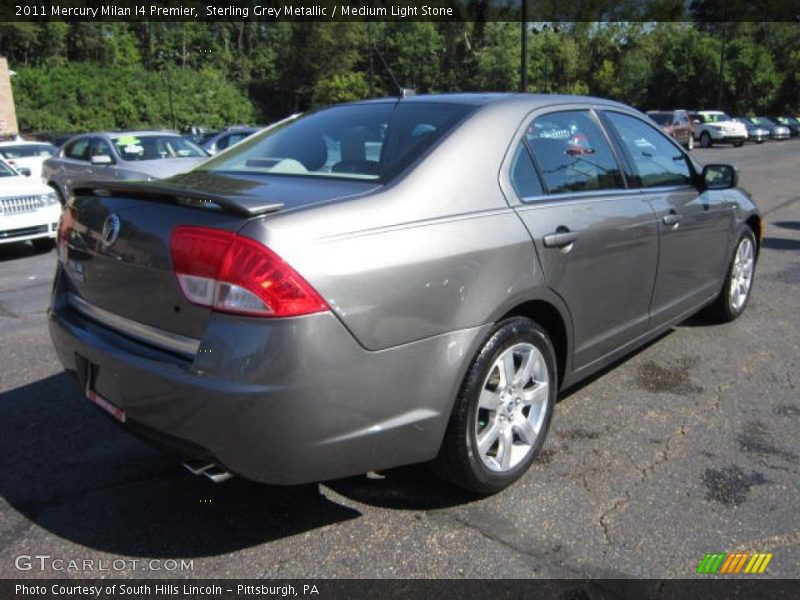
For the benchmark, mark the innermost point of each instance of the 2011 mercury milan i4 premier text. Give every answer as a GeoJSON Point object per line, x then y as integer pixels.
{"type": "Point", "coordinates": [391, 282]}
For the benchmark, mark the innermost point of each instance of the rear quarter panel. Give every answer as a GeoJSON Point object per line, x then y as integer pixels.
{"type": "Point", "coordinates": [438, 251]}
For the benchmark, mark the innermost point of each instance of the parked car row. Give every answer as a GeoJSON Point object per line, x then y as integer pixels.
{"type": "Point", "coordinates": [709, 127]}
{"type": "Point", "coordinates": [37, 176]}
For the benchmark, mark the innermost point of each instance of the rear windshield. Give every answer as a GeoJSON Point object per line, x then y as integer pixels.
{"type": "Point", "coordinates": [155, 147]}
{"type": "Point", "coordinates": [28, 150]}
{"type": "Point", "coordinates": [661, 118]}
{"type": "Point", "coordinates": [358, 141]}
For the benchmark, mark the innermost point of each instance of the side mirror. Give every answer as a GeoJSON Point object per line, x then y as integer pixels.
{"type": "Point", "coordinates": [24, 171]}
{"type": "Point", "coordinates": [719, 177]}
{"type": "Point", "coordinates": [101, 159]}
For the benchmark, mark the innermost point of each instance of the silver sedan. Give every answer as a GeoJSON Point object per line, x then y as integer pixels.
{"type": "Point", "coordinates": [391, 282]}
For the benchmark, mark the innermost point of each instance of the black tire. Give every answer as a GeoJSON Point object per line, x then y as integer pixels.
{"type": "Point", "coordinates": [43, 244]}
{"type": "Point", "coordinates": [705, 140]}
{"type": "Point", "coordinates": [724, 309]}
{"type": "Point", "coordinates": [458, 461]}
{"type": "Point", "coordinates": [738, 144]}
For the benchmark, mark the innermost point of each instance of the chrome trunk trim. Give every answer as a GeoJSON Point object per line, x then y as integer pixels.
{"type": "Point", "coordinates": [173, 342]}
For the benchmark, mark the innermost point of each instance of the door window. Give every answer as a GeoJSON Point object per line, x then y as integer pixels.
{"type": "Point", "coordinates": [101, 147]}
{"type": "Point", "coordinates": [572, 153]}
{"type": "Point", "coordinates": [657, 160]}
{"type": "Point", "coordinates": [78, 150]}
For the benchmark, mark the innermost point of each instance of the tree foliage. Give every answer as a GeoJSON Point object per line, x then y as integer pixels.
{"type": "Point", "coordinates": [85, 76]}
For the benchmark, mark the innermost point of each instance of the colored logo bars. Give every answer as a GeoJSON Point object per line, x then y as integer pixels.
{"type": "Point", "coordinates": [733, 563]}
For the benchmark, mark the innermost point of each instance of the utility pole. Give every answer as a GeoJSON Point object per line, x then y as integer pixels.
{"type": "Point", "coordinates": [523, 62]}
{"type": "Point", "coordinates": [371, 74]}
{"type": "Point", "coordinates": [721, 84]}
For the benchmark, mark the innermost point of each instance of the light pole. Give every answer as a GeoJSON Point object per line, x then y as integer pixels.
{"type": "Point", "coordinates": [542, 29]}
{"type": "Point", "coordinates": [721, 84]}
{"type": "Point", "coordinates": [523, 63]}
{"type": "Point", "coordinates": [166, 70]}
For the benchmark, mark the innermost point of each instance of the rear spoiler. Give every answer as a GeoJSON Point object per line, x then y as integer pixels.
{"type": "Point", "coordinates": [161, 191]}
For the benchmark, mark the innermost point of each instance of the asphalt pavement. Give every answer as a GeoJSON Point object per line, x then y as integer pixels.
{"type": "Point", "coordinates": [688, 446]}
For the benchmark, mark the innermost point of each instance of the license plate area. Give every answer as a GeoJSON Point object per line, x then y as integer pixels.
{"type": "Point", "coordinates": [90, 378]}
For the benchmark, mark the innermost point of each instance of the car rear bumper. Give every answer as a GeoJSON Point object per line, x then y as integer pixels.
{"type": "Point", "coordinates": [280, 401]}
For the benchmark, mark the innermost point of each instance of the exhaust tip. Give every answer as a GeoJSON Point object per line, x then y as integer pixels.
{"type": "Point", "coordinates": [211, 470]}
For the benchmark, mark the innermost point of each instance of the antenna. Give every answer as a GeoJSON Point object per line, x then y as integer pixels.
{"type": "Point", "coordinates": [401, 91]}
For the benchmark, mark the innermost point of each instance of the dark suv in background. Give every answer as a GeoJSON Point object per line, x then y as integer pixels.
{"type": "Point", "coordinates": [676, 124]}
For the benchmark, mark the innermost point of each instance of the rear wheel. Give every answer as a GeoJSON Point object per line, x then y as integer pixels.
{"type": "Point", "coordinates": [705, 140]}
{"type": "Point", "coordinates": [503, 411]}
{"type": "Point", "coordinates": [738, 144]}
{"type": "Point", "coordinates": [735, 293]}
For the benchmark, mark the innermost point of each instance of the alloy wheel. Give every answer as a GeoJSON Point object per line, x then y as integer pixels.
{"type": "Point", "coordinates": [512, 407]}
{"type": "Point", "coordinates": [742, 274]}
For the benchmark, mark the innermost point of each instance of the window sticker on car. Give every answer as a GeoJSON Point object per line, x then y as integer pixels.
{"type": "Point", "coordinates": [126, 139]}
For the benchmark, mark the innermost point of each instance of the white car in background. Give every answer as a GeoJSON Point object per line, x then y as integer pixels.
{"type": "Point", "coordinates": [29, 210]}
{"type": "Point", "coordinates": [715, 127]}
{"type": "Point", "coordinates": [27, 156]}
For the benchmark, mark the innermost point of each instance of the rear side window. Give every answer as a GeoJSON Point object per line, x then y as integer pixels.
{"type": "Point", "coordinates": [524, 177]}
{"type": "Point", "coordinates": [572, 153]}
{"type": "Point", "coordinates": [657, 160]}
{"type": "Point", "coordinates": [78, 150]}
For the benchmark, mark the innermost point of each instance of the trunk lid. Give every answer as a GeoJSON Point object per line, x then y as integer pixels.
{"type": "Point", "coordinates": [117, 257]}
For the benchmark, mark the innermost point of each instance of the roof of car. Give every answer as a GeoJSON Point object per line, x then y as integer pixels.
{"type": "Point", "coordinates": [116, 134]}
{"type": "Point", "coordinates": [136, 133]}
{"type": "Point", "coordinates": [479, 98]}
{"type": "Point", "coordinates": [24, 143]}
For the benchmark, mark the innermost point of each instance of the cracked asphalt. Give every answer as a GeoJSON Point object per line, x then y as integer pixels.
{"type": "Point", "coordinates": [686, 447]}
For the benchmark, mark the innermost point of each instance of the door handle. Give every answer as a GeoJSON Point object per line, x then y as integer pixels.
{"type": "Point", "coordinates": [672, 219]}
{"type": "Point", "coordinates": [562, 237]}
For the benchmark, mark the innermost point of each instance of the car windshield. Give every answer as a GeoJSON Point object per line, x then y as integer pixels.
{"type": "Point", "coordinates": [133, 147]}
{"type": "Point", "coordinates": [358, 141]}
{"type": "Point", "coordinates": [6, 171]}
{"type": "Point", "coordinates": [786, 121]}
{"type": "Point", "coordinates": [715, 118]}
{"type": "Point", "coordinates": [28, 151]}
{"type": "Point", "coordinates": [762, 121]}
{"type": "Point", "coordinates": [661, 118]}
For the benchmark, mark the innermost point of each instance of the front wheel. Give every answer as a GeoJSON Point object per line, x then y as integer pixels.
{"type": "Point", "coordinates": [738, 144]}
{"type": "Point", "coordinates": [705, 140]}
{"type": "Point", "coordinates": [503, 411]}
{"type": "Point", "coordinates": [735, 293]}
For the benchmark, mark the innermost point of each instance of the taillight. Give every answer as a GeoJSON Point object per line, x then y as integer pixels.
{"type": "Point", "coordinates": [66, 224]}
{"type": "Point", "coordinates": [234, 274]}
